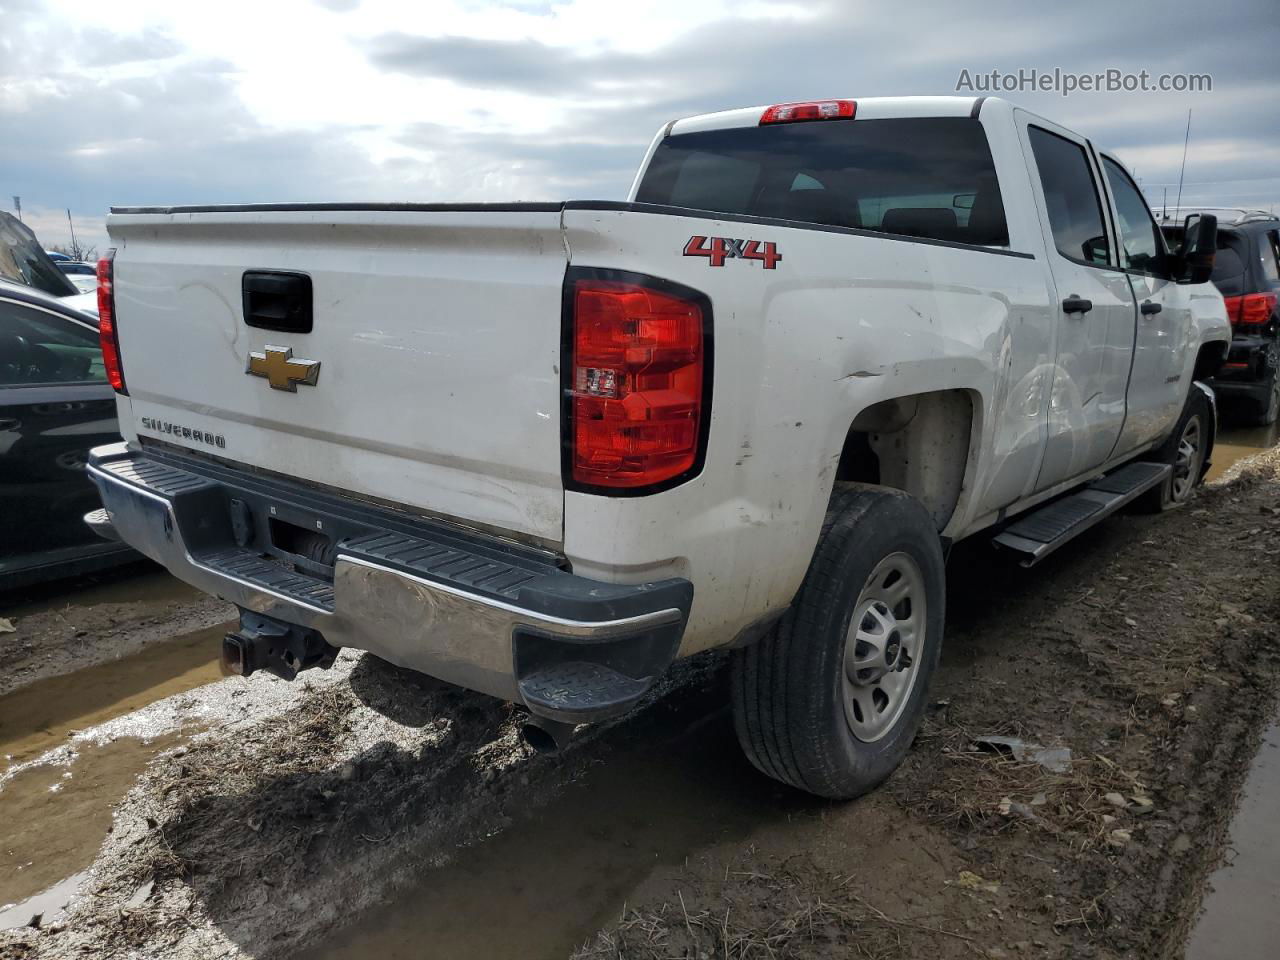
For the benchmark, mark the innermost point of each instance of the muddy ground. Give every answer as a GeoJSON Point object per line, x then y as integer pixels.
{"type": "Point", "coordinates": [62, 627]}
{"type": "Point", "coordinates": [365, 811]}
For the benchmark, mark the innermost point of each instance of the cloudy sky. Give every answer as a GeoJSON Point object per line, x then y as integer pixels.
{"type": "Point", "coordinates": [157, 101]}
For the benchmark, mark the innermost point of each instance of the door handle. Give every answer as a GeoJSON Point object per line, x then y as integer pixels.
{"type": "Point", "coordinates": [1150, 307]}
{"type": "Point", "coordinates": [1074, 304]}
{"type": "Point", "coordinates": [277, 300]}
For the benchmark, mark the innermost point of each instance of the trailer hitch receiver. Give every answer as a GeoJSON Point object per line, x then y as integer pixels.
{"type": "Point", "coordinates": [284, 649]}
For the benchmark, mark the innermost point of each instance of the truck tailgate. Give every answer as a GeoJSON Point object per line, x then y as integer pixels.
{"type": "Point", "coordinates": [437, 332]}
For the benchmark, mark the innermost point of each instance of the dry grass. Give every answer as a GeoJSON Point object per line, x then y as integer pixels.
{"type": "Point", "coordinates": [976, 781]}
{"type": "Point", "coordinates": [797, 912]}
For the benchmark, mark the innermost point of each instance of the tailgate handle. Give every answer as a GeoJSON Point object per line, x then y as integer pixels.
{"type": "Point", "coordinates": [277, 300]}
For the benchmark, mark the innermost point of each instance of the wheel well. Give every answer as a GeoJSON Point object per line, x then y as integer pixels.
{"type": "Point", "coordinates": [1211, 356]}
{"type": "Point", "coordinates": [918, 444]}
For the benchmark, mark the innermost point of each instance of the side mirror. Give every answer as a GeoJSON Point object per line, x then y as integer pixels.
{"type": "Point", "coordinates": [1199, 247]}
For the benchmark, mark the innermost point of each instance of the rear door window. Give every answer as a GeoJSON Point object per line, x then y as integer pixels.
{"type": "Point", "coordinates": [1071, 196]}
{"type": "Point", "coordinates": [930, 177]}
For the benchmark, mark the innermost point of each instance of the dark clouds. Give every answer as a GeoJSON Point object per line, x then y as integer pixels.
{"type": "Point", "coordinates": [888, 50]}
{"type": "Point", "coordinates": [523, 66]}
{"type": "Point", "coordinates": [175, 130]}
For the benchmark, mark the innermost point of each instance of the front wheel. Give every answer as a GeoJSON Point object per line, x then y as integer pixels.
{"type": "Point", "coordinates": [831, 699]}
{"type": "Point", "coordinates": [1185, 450]}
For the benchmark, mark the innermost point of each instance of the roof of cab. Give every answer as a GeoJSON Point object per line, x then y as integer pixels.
{"type": "Point", "coordinates": [869, 108]}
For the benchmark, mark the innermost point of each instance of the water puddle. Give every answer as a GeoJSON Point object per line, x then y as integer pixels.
{"type": "Point", "coordinates": [45, 906]}
{"type": "Point", "coordinates": [543, 886]}
{"type": "Point", "coordinates": [56, 816]}
{"type": "Point", "coordinates": [41, 716]}
{"type": "Point", "coordinates": [1235, 444]}
{"type": "Point", "coordinates": [1241, 917]}
{"type": "Point", "coordinates": [57, 810]}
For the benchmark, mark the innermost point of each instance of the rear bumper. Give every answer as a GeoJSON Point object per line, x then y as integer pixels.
{"type": "Point", "coordinates": [1250, 366]}
{"type": "Point", "coordinates": [1257, 391]}
{"type": "Point", "coordinates": [472, 610]}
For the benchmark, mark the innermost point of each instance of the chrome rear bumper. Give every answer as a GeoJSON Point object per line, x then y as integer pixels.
{"type": "Point", "coordinates": [475, 611]}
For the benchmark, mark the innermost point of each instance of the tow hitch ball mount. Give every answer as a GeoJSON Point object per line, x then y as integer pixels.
{"type": "Point", "coordinates": [283, 649]}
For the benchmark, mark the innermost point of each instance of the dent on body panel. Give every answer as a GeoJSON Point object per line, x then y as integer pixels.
{"type": "Point", "coordinates": [1019, 345]}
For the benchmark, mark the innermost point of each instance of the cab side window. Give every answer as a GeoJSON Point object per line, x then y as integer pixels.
{"type": "Point", "coordinates": [1141, 245]}
{"type": "Point", "coordinates": [1075, 210]}
{"type": "Point", "coordinates": [39, 347]}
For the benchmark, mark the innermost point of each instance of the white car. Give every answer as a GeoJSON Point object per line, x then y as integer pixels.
{"type": "Point", "coordinates": [85, 283]}
{"type": "Point", "coordinates": [540, 450]}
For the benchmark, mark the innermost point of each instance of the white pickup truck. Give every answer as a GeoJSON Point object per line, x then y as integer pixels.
{"type": "Point", "coordinates": [540, 450]}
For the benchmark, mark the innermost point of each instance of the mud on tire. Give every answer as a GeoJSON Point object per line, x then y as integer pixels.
{"type": "Point", "coordinates": [1195, 426]}
{"type": "Point", "coordinates": [797, 697]}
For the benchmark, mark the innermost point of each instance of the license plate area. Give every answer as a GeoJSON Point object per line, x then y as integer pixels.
{"type": "Point", "coordinates": [296, 537]}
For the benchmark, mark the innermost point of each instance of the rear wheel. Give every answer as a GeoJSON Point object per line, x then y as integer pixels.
{"type": "Point", "coordinates": [1269, 409]}
{"type": "Point", "coordinates": [831, 699]}
{"type": "Point", "coordinates": [1185, 450]}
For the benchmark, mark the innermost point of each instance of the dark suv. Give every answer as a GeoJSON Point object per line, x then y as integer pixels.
{"type": "Point", "coordinates": [1247, 273]}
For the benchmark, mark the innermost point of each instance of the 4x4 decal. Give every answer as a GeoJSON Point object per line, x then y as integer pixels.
{"type": "Point", "coordinates": [720, 249]}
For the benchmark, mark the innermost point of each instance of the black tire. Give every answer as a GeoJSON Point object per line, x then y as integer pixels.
{"type": "Point", "coordinates": [1173, 493]}
{"type": "Point", "coordinates": [789, 688]}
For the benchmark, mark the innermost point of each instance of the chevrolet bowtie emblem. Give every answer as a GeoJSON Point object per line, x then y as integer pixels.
{"type": "Point", "coordinates": [282, 370]}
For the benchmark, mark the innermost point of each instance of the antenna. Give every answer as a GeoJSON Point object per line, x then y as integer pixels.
{"type": "Point", "coordinates": [1186, 140]}
{"type": "Point", "coordinates": [1164, 205]}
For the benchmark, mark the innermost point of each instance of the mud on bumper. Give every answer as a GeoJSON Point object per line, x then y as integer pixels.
{"type": "Point", "coordinates": [469, 609]}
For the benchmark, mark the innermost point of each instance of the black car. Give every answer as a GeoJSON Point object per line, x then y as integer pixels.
{"type": "Point", "coordinates": [1247, 273]}
{"type": "Point", "coordinates": [55, 403]}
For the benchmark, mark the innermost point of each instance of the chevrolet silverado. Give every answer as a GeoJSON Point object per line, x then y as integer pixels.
{"type": "Point", "coordinates": [540, 450]}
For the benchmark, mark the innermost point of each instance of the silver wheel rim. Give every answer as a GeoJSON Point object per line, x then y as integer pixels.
{"type": "Point", "coordinates": [882, 650]}
{"type": "Point", "coordinates": [1186, 465]}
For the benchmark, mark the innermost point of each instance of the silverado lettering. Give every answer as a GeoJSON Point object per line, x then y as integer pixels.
{"type": "Point", "coordinates": [186, 433]}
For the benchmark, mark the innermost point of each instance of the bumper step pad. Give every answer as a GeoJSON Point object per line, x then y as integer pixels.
{"type": "Point", "coordinates": [261, 572]}
{"type": "Point", "coordinates": [436, 560]}
{"type": "Point", "coordinates": [580, 687]}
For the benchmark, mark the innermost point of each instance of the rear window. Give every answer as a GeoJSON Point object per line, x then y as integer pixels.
{"type": "Point", "coordinates": [1229, 264]}
{"type": "Point", "coordinates": [1270, 244]}
{"type": "Point", "coordinates": [921, 177]}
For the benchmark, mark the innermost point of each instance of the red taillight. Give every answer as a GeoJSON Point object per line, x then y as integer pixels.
{"type": "Point", "coordinates": [809, 110]}
{"type": "Point", "coordinates": [107, 334]}
{"type": "Point", "coordinates": [637, 385]}
{"type": "Point", "coordinates": [1252, 309]}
